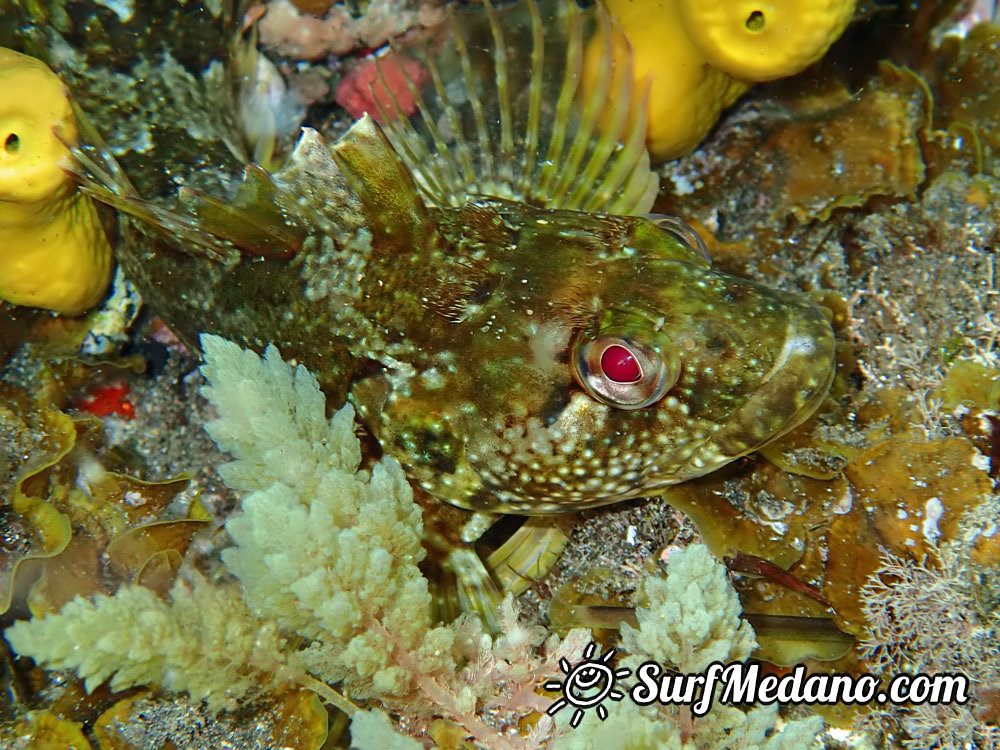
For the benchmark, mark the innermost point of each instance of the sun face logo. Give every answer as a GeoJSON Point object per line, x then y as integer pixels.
{"type": "Point", "coordinates": [586, 685]}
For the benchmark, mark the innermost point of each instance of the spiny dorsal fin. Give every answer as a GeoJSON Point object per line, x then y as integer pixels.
{"type": "Point", "coordinates": [257, 219]}
{"type": "Point", "coordinates": [338, 190]}
{"type": "Point", "coordinates": [396, 214]}
{"type": "Point", "coordinates": [492, 120]}
{"type": "Point", "coordinates": [185, 231]}
{"type": "Point", "coordinates": [101, 177]}
{"type": "Point", "coordinates": [269, 215]}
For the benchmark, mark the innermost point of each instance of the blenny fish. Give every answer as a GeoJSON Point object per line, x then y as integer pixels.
{"type": "Point", "coordinates": [484, 283]}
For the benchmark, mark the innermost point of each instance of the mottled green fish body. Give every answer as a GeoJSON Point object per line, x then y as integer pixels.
{"type": "Point", "coordinates": [474, 283]}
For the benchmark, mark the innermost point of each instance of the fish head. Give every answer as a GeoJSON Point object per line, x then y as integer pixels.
{"type": "Point", "coordinates": [596, 359]}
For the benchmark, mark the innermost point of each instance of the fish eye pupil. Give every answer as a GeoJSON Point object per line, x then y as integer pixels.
{"type": "Point", "coordinates": [622, 372]}
{"type": "Point", "coordinates": [619, 365]}
{"type": "Point", "coordinates": [12, 143]}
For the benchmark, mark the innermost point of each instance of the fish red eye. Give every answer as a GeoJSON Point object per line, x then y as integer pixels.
{"type": "Point", "coordinates": [619, 365]}
{"type": "Point", "coordinates": [623, 373]}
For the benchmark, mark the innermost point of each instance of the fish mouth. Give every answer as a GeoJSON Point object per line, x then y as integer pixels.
{"type": "Point", "coordinates": [788, 394]}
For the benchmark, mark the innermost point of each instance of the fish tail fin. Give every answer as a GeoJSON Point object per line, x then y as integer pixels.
{"type": "Point", "coordinates": [518, 126]}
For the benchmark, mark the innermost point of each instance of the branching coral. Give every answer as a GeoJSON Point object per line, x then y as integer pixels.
{"type": "Point", "coordinates": [204, 642]}
{"type": "Point", "coordinates": [332, 554]}
{"type": "Point", "coordinates": [691, 617]}
{"type": "Point", "coordinates": [687, 620]}
{"type": "Point", "coordinates": [327, 552]}
{"type": "Point", "coordinates": [324, 550]}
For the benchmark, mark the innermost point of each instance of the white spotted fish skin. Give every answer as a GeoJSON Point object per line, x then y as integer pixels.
{"type": "Point", "coordinates": [459, 275]}
{"type": "Point", "coordinates": [497, 416]}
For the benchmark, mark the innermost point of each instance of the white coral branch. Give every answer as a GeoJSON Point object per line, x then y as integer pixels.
{"type": "Point", "coordinates": [321, 546]}
{"type": "Point", "coordinates": [204, 641]}
{"type": "Point", "coordinates": [692, 617]}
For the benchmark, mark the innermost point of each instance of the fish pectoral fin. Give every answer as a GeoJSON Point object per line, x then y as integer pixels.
{"type": "Point", "coordinates": [475, 590]}
{"type": "Point", "coordinates": [394, 212]}
{"type": "Point", "coordinates": [528, 555]}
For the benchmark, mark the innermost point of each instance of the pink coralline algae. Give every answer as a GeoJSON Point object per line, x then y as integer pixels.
{"type": "Point", "coordinates": [298, 35]}
{"type": "Point", "coordinates": [379, 84]}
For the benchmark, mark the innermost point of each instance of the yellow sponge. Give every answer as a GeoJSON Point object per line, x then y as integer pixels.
{"type": "Point", "coordinates": [760, 41]}
{"type": "Point", "coordinates": [53, 251]}
{"type": "Point", "coordinates": [698, 56]}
